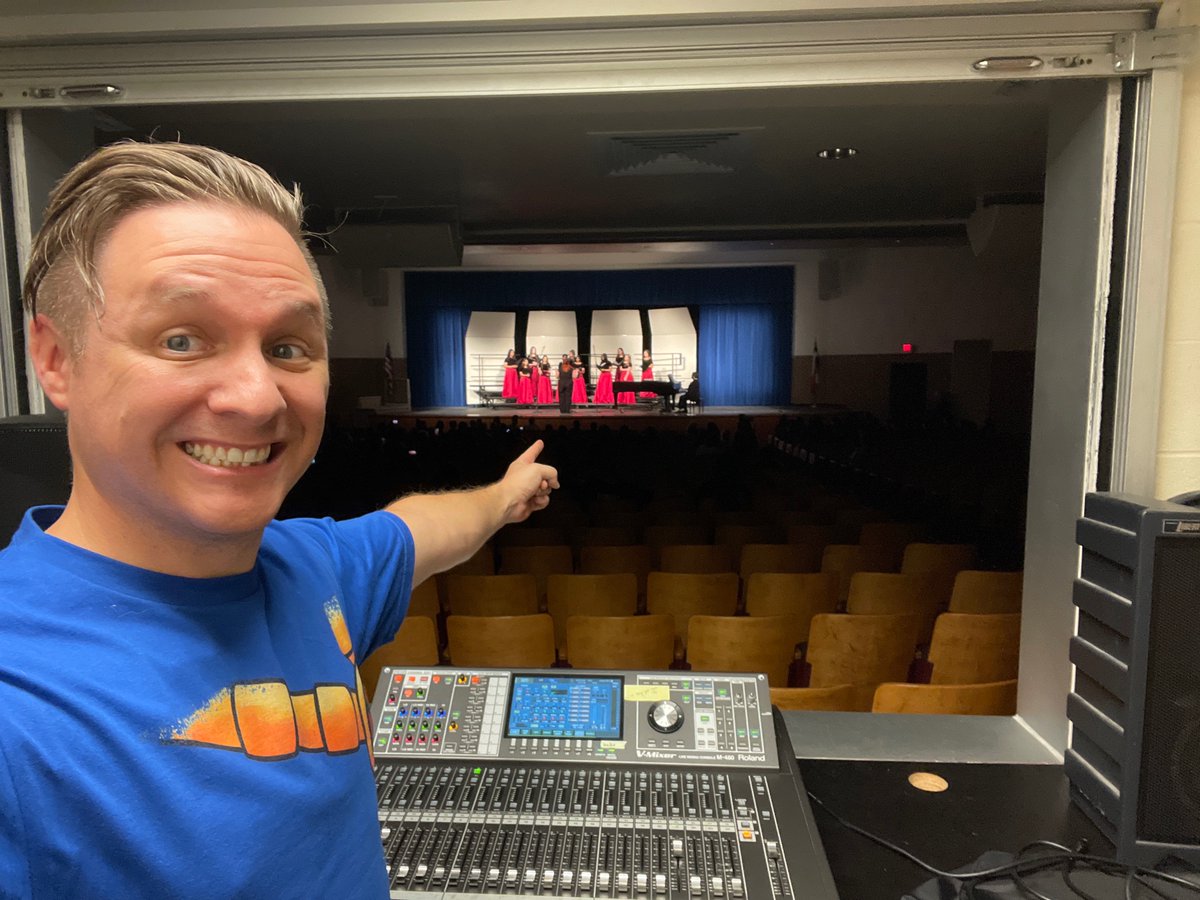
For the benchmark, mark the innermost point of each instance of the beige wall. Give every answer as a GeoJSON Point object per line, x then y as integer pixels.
{"type": "Point", "coordinates": [1179, 424]}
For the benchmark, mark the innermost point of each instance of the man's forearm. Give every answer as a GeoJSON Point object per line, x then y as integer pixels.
{"type": "Point", "coordinates": [448, 528]}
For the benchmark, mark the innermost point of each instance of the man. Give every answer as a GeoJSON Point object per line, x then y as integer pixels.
{"type": "Point", "coordinates": [691, 395]}
{"type": "Point", "coordinates": [180, 712]}
{"type": "Point", "coordinates": [566, 372]}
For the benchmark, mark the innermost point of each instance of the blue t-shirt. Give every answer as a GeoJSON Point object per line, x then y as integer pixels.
{"type": "Point", "coordinates": [177, 737]}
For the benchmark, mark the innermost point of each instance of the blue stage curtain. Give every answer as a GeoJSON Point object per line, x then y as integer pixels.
{"type": "Point", "coordinates": [436, 367]}
{"type": "Point", "coordinates": [744, 334]}
{"type": "Point", "coordinates": [745, 355]}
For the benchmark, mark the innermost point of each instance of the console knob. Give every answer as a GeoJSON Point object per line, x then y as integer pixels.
{"type": "Point", "coordinates": [665, 716]}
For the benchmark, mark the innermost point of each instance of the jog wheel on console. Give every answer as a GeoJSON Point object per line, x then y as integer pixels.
{"type": "Point", "coordinates": [665, 716]}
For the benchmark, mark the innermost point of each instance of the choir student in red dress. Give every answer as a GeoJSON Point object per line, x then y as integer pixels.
{"type": "Point", "coordinates": [524, 384]}
{"type": "Point", "coordinates": [625, 373]}
{"type": "Point", "coordinates": [510, 375]}
{"type": "Point", "coordinates": [647, 373]}
{"type": "Point", "coordinates": [604, 391]}
{"type": "Point", "coordinates": [578, 386]}
{"type": "Point", "coordinates": [545, 390]}
{"type": "Point", "coordinates": [535, 374]}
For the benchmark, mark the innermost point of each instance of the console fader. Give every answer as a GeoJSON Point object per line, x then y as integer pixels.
{"type": "Point", "coordinates": [574, 783]}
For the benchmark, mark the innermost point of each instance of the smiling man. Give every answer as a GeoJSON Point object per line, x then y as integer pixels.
{"type": "Point", "coordinates": [180, 712]}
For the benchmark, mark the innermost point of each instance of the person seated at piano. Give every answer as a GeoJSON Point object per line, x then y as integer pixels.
{"type": "Point", "coordinates": [691, 395]}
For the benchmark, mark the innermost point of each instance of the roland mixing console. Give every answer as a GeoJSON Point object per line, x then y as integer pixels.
{"type": "Point", "coordinates": [574, 783]}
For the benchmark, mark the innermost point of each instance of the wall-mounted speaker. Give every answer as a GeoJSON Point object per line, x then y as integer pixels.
{"type": "Point", "coordinates": [393, 245]}
{"type": "Point", "coordinates": [1134, 756]}
{"type": "Point", "coordinates": [35, 467]}
{"type": "Point", "coordinates": [829, 278]}
{"type": "Point", "coordinates": [375, 287]}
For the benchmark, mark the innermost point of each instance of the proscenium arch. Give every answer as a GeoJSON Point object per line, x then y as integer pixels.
{"type": "Point", "coordinates": [524, 49]}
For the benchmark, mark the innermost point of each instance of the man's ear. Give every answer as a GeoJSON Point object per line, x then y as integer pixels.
{"type": "Point", "coordinates": [50, 352]}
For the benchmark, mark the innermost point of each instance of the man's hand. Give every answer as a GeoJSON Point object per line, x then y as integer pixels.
{"type": "Point", "coordinates": [527, 485]}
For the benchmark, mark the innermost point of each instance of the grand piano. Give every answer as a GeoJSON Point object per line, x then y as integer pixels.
{"type": "Point", "coordinates": [665, 389]}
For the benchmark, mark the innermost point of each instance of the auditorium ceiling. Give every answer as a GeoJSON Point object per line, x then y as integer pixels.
{"type": "Point", "coordinates": [715, 165]}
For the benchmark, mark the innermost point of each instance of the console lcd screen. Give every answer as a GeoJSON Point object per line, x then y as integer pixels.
{"type": "Point", "coordinates": [584, 707]}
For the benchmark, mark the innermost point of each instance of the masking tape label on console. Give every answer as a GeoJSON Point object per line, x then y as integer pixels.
{"type": "Point", "coordinates": [647, 693]}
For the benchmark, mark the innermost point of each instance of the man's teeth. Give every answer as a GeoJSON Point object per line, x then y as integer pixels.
{"type": "Point", "coordinates": [229, 457]}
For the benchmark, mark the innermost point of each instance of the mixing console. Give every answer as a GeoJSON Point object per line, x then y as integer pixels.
{"type": "Point", "coordinates": [571, 783]}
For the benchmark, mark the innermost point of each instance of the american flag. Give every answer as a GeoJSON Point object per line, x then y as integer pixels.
{"type": "Point", "coordinates": [815, 378]}
{"type": "Point", "coordinates": [387, 373]}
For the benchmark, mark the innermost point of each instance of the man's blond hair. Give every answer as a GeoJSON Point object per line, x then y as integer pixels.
{"type": "Point", "coordinates": [89, 201]}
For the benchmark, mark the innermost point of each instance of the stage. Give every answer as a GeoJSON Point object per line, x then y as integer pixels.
{"type": "Point", "coordinates": [645, 409]}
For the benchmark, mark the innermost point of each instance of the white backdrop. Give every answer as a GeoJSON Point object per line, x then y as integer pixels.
{"type": "Point", "coordinates": [613, 328]}
{"type": "Point", "coordinates": [674, 344]}
{"type": "Point", "coordinates": [553, 332]}
{"type": "Point", "coordinates": [489, 338]}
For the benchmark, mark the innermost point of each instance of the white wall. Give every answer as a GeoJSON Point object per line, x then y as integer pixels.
{"type": "Point", "coordinates": [927, 296]}
{"type": "Point", "coordinates": [359, 329]}
{"type": "Point", "coordinates": [1178, 464]}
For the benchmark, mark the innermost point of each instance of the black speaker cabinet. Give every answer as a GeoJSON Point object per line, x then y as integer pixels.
{"type": "Point", "coordinates": [1134, 755]}
{"type": "Point", "coordinates": [35, 467]}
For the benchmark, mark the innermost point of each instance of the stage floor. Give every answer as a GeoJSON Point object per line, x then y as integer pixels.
{"type": "Point", "coordinates": [629, 411]}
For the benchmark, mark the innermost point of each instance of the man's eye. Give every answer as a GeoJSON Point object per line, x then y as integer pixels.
{"type": "Point", "coordinates": [287, 351]}
{"type": "Point", "coordinates": [179, 343]}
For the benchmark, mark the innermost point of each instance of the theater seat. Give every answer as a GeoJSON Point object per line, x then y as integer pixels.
{"type": "Point", "coordinates": [686, 595]}
{"type": "Point", "coordinates": [492, 595]}
{"type": "Point", "coordinates": [415, 644]}
{"type": "Point", "coordinates": [502, 642]}
{"type": "Point", "coordinates": [861, 650]}
{"type": "Point", "coordinates": [621, 642]}
{"type": "Point", "coordinates": [996, 698]}
{"type": "Point", "coordinates": [588, 595]}
{"type": "Point", "coordinates": [764, 644]}
{"type": "Point", "coordinates": [836, 698]}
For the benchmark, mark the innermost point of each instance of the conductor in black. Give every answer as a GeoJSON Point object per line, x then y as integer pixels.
{"type": "Point", "coordinates": [565, 372]}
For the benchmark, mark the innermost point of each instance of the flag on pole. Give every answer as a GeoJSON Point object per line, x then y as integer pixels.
{"type": "Point", "coordinates": [387, 373]}
{"type": "Point", "coordinates": [815, 377]}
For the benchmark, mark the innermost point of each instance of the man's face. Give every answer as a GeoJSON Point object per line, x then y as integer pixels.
{"type": "Point", "coordinates": [199, 397]}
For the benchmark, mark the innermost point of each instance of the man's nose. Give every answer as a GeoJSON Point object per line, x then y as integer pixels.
{"type": "Point", "coordinates": [246, 384]}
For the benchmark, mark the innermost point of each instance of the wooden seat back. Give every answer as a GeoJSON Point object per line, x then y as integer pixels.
{"type": "Point", "coordinates": [684, 595]}
{"type": "Point", "coordinates": [972, 648]}
{"type": "Point", "coordinates": [836, 698]}
{"type": "Point", "coordinates": [503, 642]}
{"type": "Point", "coordinates": [492, 595]}
{"type": "Point", "coordinates": [986, 592]}
{"type": "Point", "coordinates": [621, 642]}
{"type": "Point", "coordinates": [861, 650]}
{"type": "Point", "coordinates": [995, 698]}
{"type": "Point", "coordinates": [415, 644]}
{"type": "Point", "coordinates": [588, 595]}
{"type": "Point", "coordinates": [764, 644]}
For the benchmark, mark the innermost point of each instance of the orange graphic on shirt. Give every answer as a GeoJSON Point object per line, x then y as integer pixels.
{"type": "Point", "coordinates": [266, 721]}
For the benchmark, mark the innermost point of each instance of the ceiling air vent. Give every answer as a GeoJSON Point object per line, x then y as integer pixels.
{"type": "Point", "coordinates": [707, 152]}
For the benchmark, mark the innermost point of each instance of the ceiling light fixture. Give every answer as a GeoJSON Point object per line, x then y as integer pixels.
{"type": "Point", "coordinates": [837, 153]}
